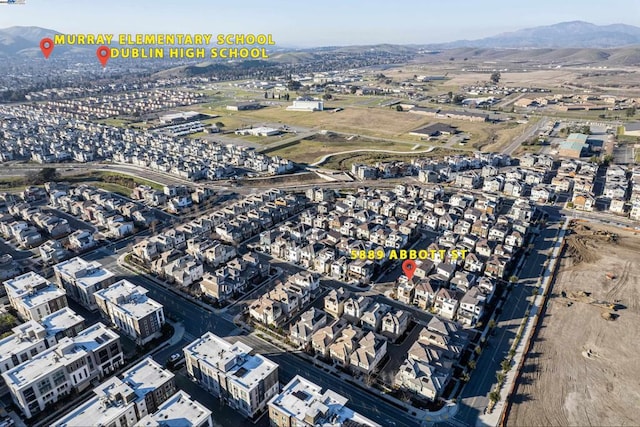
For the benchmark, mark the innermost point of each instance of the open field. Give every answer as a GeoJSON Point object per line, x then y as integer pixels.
{"type": "Point", "coordinates": [537, 78]}
{"type": "Point", "coordinates": [344, 161]}
{"type": "Point", "coordinates": [357, 120]}
{"type": "Point", "coordinates": [111, 181]}
{"type": "Point", "coordinates": [310, 150]}
{"type": "Point", "coordinates": [583, 369]}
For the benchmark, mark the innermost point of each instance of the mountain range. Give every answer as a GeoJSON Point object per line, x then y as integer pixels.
{"type": "Point", "coordinates": [22, 40]}
{"type": "Point", "coordinates": [575, 34]}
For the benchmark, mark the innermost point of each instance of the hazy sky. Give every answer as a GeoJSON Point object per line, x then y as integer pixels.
{"type": "Point", "coordinates": [319, 23]}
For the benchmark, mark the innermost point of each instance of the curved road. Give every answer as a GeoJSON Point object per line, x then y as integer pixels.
{"type": "Point", "coordinates": [364, 150]}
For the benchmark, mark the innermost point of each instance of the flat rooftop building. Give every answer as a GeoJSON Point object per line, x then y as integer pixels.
{"type": "Point", "coordinates": [27, 341]}
{"type": "Point", "coordinates": [34, 297]}
{"type": "Point", "coordinates": [128, 307]}
{"type": "Point", "coordinates": [62, 323]}
{"type": "Point", "coordinates": [228, 370]}
{"type": "Point", "coordinates": [124, 400]}
{"type": "Point", "coordinates": [69, 366]}
{"type": "Point", "coordinates": [304, 404]}
{"type": "Point", "coordinates": [81, 279]}
{"type": "Point", "coordinates": [178, 411]}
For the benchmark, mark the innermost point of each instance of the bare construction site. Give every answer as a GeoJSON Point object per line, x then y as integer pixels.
{"type": "Point", "coordinates": [583, 369]}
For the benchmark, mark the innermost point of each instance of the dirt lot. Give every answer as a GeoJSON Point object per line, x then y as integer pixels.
{"type": "Point", "coordinates": [582, 369]}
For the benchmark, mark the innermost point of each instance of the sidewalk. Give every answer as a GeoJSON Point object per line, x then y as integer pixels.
{"type": "Point", "coordinates": [423, 417]}
{"type": "Point", "coordinates": [178, 334]}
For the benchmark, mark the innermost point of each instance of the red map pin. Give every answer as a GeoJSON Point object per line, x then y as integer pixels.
{"type": "Point", "coordinates": [103, 53]}
{"type": "Point", "coordinates": [409, 268]}
{"type": "Point", "coordinates": [46, 46]}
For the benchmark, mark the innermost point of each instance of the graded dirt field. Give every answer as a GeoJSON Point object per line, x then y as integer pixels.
{"type": "Point", "coordinates": [538, 78]}
{"type": "Point", "coordinates": [583, 370]}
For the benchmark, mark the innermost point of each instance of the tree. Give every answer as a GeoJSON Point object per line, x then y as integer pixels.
{"type": "Point", "coordinates": [399, 108]}
{"type": "Point", "coordinates": [495, 77]}
{"type": "Point", "coordinates": [293, 85]}
{"type": "Point", "coordinates": [608, 159]}
{"type": "Point", "coordinates": [465, 377]}
{"type": "Point", "coordinates": [631, 112]}
{"type": "Point", "coordinates": [457, 99]}
{"type": "Point", "coordinates": [219, 125]}
{"type": "Point", "coordinates": [534, 292]}
{"type": "Point", "coordinates": [266, 95]}
{"type": "Point", "coordinates": [471, 364]}
{"type": "Point", "coordinates": [492, 324]}
{"type": "Point", "coordinates": [327, 96]}
{"type": "Point", "coordinates": [42, 176]}
{"type": "Point", "coordinates": [505, 365]}
{"type": "Point", "coordinates": [494, 396]}
{"type": "Point", "coordinates": [513, 279]}
{"type": "Point", "coordinates": [500, 377]}
{"type": "Point", "coordinates": [48, 174]}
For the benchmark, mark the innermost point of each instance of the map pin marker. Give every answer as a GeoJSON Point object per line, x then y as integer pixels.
{"type": "Point", "coordinates": [46, 46]}
{"type": "Point", "coordinates": [103, 53]}
{"type": "Point", "coordinates": [409, 268]}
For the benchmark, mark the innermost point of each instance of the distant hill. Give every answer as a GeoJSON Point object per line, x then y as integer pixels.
{"type": "Point", "coordinates": [567, 43]}
{"type": "Point", "coordinates": [624, 56]}
{"type": "Point", "coordinates": [576, 34]}
{"type": "Point", "coordinates": [17, 40]}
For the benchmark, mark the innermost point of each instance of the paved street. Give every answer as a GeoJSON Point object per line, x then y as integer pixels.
{"type": "Point", "coordinates": [474, 395]}
{"type": "Point", "coordinates": [197, 321]}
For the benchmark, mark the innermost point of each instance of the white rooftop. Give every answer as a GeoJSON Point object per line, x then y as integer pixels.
{"type": "Point", "coordinates": [23, 337]}
{"type": "Point", "coordinates": [21, 285]}
{"type": "Point", "coordinates": [44, 363]}
{"type": "Point", "coordinates": [94, 337]}
{"type": "Point", "coordinates": [67, 351]}
{"type": "Point", "coordinates": [42, 296]}
{"type": "Point", "coordinates": [146, 375]}
{"type": "Point", "coordinates": [129, 298]}
{"type": "Point", "coordinates": [234, 359]}
{"type": "Point", "coordinates": [178, 411]}
{"type": "Point", "coordinates": [85, 274]}
{"type": "Point", "coordinates": [60, 321]}
{"type": "Point", "coordinates": [114, 396]}
{"type": "Point", "coordinates": [96, 411]}
{"type": "Point", "coordinates": [302, 399]}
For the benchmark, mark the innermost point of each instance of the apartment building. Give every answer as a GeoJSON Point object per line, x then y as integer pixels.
{"type": "Point", "coordinates": [128, 307]}
{"type": "Point", "coordinates": [124, 400]}
{"type": "Point", "coordinates": [27, 341]}
{"type": "Point", "coordinates": [34, 297]}
{"type": "Point", "coordinates": [69, 366]}
{"type": "Point", "coordinates": [304, 404]}
{"type": "Point", "coordinates": [179, 410]}
{"type": "Point", "coordinates": [81, 279]}
{"type": "Point", "coordinates": [228, 371]}
{"type": "Point", "coordinates": [62, 323]}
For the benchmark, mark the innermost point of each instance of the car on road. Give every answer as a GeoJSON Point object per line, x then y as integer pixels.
{"type": "Point", "coordinates": [175, 360]}
{"type": "Point", "coordinates": [175, 357]}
